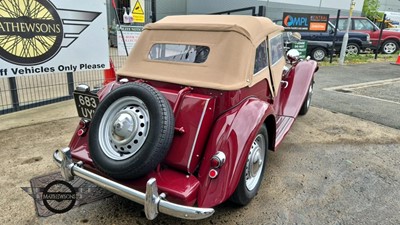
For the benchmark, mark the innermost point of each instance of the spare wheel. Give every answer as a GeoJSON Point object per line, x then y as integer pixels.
{"type": "Point", "coordinates": [131, 131]}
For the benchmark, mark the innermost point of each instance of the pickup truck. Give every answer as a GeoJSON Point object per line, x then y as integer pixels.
{"type": "Point", "coordinates": [357, 41]}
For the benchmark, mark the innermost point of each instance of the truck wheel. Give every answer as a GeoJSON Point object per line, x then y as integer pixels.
{"type": "Point", "coordinates": [389, 47]}
{"type": "Point", "coordinates": [318, 54]}
{"type": "Point", "coordinates": [253, 171]}
{"type": "Point", "coordinates": [131, 131]}
{"type": "Point", "coordinates": [352, 49]}
{"type": "Point", "coordinates": [307, 101]}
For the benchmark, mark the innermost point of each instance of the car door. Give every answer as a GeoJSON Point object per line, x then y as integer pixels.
{"type": "Point", "coordinates": [366, 26]}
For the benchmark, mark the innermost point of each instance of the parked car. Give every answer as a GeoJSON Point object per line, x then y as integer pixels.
{"type": "Point", "coordinates": [189, 120]}
{"type": "Point", "coordinates": [390, 39]}
{"type": "Point", "coordinates": [356, 42]}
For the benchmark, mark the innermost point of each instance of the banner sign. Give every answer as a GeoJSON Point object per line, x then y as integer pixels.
{"type": "Point", "coordinates": [305, 22]}
{"type": "Point", "coordinates": [46, 36]}
{"type": "Point", "coordinates": [131, 35]}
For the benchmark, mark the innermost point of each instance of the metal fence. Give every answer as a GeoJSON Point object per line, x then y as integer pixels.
{"type": "Point", "coordinates": [19, 93]}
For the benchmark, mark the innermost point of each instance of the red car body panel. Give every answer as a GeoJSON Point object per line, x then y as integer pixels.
{"type": "Point", "coordinates": [291, 98]}
{"type": "Point", "coordinates": [231, 136]}
{"type": "Point", "coordinates": [234, 118]}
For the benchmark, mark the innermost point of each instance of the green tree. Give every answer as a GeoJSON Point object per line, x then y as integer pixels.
{"type": "Point", "coordinates": [370, 9]}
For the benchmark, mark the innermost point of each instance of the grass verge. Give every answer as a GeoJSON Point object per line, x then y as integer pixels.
{"type": "Point", "coordinates": [361, 59]}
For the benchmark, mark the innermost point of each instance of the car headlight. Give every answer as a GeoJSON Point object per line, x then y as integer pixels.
{"type": "Point", "coordinates": [368, 38]}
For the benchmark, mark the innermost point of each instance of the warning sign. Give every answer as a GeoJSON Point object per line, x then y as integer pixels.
{"type": "Point", "coordinates": [138, 11]}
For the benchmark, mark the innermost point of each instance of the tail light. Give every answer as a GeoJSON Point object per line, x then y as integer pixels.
{"type": "Point", "coordinates": [216, 162]}
{"type": "Point", "coordinates": [83, 125]}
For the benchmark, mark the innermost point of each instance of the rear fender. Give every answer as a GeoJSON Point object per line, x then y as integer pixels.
{"type": "Point", "coordinates": [232, 134]}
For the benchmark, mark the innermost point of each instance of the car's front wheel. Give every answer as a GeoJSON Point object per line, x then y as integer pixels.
{"type": "Point", "coordinates": [352, 49]}
{"type": "Point", "coordinates": [389, 47]}
{"type": "Point", "coordinates": [307, 101]}
{"type": "Point", "coordinates": [318, 54]}
{"type": "Point", "coordinates": [253, 171]}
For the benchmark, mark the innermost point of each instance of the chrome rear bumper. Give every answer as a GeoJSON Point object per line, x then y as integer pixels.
{"type": "Point", "coordinates": [152, 201]}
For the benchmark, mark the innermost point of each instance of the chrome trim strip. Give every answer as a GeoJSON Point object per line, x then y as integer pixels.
{"type": "Point", "coordinates": [197, 134]}
{"type": "Point", "coordinates": [153, 203]}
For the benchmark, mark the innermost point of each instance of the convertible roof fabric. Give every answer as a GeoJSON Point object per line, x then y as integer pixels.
{"type": "Point", "coordinates": [232, 40]}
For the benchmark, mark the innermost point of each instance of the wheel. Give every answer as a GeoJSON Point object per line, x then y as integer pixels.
{"type": "Point", "coordinates": [389, 47]}
{"type": "Point", "coordinates": [352, 49]}
{"type": "Point", "coordinates": [307, 101]}
{"type": "Point", "coordinates": [253, 171]}
{"type": "Point", "coordinates": [318, 54]}
{"type": "Point", "coordinates": [131, 131]}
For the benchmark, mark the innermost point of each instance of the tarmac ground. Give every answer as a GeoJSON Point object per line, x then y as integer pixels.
{"type": "Point", "coordinates": [338, 165]}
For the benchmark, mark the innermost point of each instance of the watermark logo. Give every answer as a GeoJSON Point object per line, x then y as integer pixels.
{"type": "Point", "coordinates": [59, 196]}
{"type": "Point", "coordinates": [33, 32]}
{"type": "Point", "coordinates": [53, 195]}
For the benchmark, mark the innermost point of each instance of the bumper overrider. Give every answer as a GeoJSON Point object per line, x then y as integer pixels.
{"type": "Point", "coordinates": [152, 201]}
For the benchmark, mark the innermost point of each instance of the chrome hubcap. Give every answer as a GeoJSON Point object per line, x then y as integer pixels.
{"type": "Point", "coordinates": [351, 50]}
{"type": "Point", "coordinates": [319, 55]}
{"type": "Point", "coordinates": [389, 48]}
{"type": "Point", "coordinates": [124, 128]}
{"type": "Point", "coordinates": [255, 162]}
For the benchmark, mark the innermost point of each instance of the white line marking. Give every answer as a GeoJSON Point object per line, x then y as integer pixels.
{"type": "Point", "coordinates": [364, 85]}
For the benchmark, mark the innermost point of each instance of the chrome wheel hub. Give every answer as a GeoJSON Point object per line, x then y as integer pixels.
{"type": "Point", "coordinates": [124, 128]}
{"type": "Point", "coordinates": [389, 48]}
{"type": "Point", "coordinates": [351, 50]}
{"type": "Point", "coordinates": [255, 162]}
{"type": "Point", "coordinates": [319, 55]}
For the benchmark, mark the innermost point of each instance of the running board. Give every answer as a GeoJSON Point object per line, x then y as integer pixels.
{"type": "Point", "coordinates": [283, 125]}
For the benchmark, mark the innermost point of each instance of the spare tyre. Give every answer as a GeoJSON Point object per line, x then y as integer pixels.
{"type": "Point", "coordinates": [131, 131]}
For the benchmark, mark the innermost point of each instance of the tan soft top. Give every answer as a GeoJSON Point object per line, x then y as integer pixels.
{"type": "Point", "coordinates": [232, 40]}
{"type": "Point", "coordinates": [254, 28]}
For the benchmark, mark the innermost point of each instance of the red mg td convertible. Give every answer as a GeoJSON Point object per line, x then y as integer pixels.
{"type": "Point", "coordinates": [189, 119]}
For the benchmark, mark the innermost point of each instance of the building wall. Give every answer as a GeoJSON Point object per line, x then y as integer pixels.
{"type": "Point", "coordinates": [170, 7]}
{"type": "Point", "coordinates": [390, 5]}
{"type": "Point", "coordinates": [275, 8]}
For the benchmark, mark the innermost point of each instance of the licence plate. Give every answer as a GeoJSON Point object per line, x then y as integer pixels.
{"type": "Point", "coordinates": [86, 104]}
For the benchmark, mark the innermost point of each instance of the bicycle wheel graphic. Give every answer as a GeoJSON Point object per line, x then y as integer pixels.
{"type": "Point", "coordinates": [31, 31]}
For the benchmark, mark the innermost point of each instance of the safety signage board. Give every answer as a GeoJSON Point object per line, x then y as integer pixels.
{"type": "Point", "coordinates": [61, 36]}
{"type": "Point", "coordinates": [138, 11]}
{"type": "Point", "coordinates": [301, 46]}
{"type": "Point", "coordinates": [131, 35]}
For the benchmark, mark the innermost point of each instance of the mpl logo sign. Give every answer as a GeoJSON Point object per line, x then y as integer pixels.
{"type": "Point", "coordinates": [292, 21]}
{"type": "Point", "coordinates": [305, 22]}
